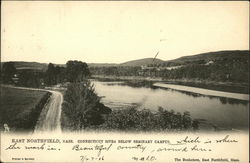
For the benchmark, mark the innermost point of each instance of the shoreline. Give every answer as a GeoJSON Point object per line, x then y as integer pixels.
{"type": "Point", "coordinates": [203, 91]}
{"type": "Point", "coordinates": [241, 88]}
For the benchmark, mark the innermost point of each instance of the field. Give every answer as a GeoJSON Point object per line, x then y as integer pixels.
{"type": "Point", "coordinates": [20, 109]}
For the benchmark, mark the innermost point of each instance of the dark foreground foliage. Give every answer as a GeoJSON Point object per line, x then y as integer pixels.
{"type": "Point", "coordinates": [81, 107]}
{"type": "Point", "coordinates": [132, 119]}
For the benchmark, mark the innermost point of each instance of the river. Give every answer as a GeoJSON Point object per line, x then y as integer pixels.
{"type": "Point", "coordinates": [222, 112]}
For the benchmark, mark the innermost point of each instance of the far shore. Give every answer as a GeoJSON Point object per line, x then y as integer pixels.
{"type": "Point", "coordinates": [241, 88]}
{"type": "Point", "coordinates": [238, 96]}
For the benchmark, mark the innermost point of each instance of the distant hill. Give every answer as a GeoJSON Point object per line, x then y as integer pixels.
{"type": "Point", "coordinates": [244, 54]}
{"type": "Point", "coordinates": [193, 58]}
{"type": "Point", "coordinates": [142, 62]}
{"type": "Point", "coordinates": [30, 65]}
{"type": "Point", "coordinates": [212, 56]}
{"type": "Point", "coordinates": [21, 65]}
{"type": "Point", "coordinates": [102, 64]}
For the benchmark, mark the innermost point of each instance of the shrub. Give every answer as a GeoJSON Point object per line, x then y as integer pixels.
{"type": "Point", "coordinates": [131, 119]}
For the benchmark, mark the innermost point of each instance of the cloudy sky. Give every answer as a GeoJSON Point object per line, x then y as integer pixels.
{"type": "Point", "coordinates": [115, 32]}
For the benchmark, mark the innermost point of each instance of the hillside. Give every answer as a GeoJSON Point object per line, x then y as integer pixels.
{"type": "Point", "coordinates": [203, 58]}
{"type": "Point", "coordinates": [142, 62]}
{"type": "Point", "coordinates": [219, 55]}
{"type": "Point", "coordinates": [21, 65]}
{"type": "Point", "coordinates": [102, 64]}
{"type": "Point", "coordinates": [29, 65]}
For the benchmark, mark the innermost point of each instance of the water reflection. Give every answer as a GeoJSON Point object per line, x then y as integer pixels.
{"type": "Point", "coordinates": [149, 84]}
{"type": "Point", "coordinates": [223, 100]}
{"type": "Point", "coordinates": [232, 101]}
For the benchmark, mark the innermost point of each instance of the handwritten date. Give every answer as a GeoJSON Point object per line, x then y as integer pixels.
{"type": "Point", "coordinates": [89, 158]}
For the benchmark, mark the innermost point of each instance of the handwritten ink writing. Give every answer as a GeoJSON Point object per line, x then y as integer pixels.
{"type": "Point", "coordinates": [144, 158]}
{"type": "Point", "coordinates": [226, 140]}
{"type": "Point", "coordinates": [196, 148]}
{"type": "Point", "coordinates": [101, 148]}
{"type": "Point", "coordinates": [13, 146]}
{"type": "Point", "coordinates": [78, 148]}
{"type": "Point", "coordinates": [183, 149]}
{"type": "Point", "coordinates": [36, 147]}
{"type": "Point", "coordinates": [138, 146]}
{"type": "Point", "coordinates": [91, 158]}
{"type": "Point", "coordinates": [98, 148]}
{"type": "Point", "coordinates": [189, 140]}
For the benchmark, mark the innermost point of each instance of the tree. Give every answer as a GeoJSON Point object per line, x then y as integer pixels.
{"type": "Point", "coordinates": [51, 75]}
{"type": "Point", "coordinates": [8, 72]}
{"type": "Point", "coordinates": [82, 106]}
{"type": "Point", "coordinates": [60, 74]}
{"type": "Point", "coordinates": [187, 121]}
{"type": "Point", "coordinates": [77, 71]}
{"type": "Point", "coordinates": [28, 78]}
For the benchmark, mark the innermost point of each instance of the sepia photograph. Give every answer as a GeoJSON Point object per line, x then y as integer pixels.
{"type": "Point", "coordinates": [128, 67]}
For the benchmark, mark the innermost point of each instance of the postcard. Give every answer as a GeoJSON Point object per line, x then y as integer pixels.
{"type": "Point", "coordinates": [124, 81]}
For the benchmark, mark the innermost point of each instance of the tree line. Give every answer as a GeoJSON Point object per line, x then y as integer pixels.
{"type": "Point", "coordinates": [231, 70]}
{"type": "Point", "coordinates": [74, 71]}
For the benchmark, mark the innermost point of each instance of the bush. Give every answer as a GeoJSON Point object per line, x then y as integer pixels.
{"type": "Point", "coordinates": [131, 119]}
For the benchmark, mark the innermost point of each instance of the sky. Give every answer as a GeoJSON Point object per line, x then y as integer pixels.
{"type": "Point", "coordinates": [116, 32]}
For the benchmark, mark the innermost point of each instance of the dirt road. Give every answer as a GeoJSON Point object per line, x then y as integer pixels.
{"type": "Point", "coordinates": [49, 119]}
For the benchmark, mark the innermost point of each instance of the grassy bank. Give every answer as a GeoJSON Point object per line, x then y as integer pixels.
{"type": "Point", "coordinates": [20, 109]}
{"type": "Point", "coordinates": [213, 85]}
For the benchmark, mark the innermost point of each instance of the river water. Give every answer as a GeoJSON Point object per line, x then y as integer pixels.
{"type": "Point", "coordinates": [222, 112]}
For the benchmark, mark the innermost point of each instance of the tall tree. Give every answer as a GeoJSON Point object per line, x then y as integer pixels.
{"type": "Point", "coordinates": [77, 71]}
{"type": "Point", "coordinates": [82, 106]}
{"type": "Point", "coordinates": [60, 74]}
{"type": "Point", "coordinates": [51, 74]}
{"type": "Point", "coordinates": [29, 78]}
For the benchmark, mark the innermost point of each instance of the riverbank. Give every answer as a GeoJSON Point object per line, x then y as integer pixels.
{"type": "Point", "coordinates": [242, 88]}
{"type": "Point", "coordinates": [202, 91]}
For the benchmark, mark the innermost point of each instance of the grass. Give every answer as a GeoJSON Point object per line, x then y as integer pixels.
{"type": "Point", "coordinates": [20, 109]}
